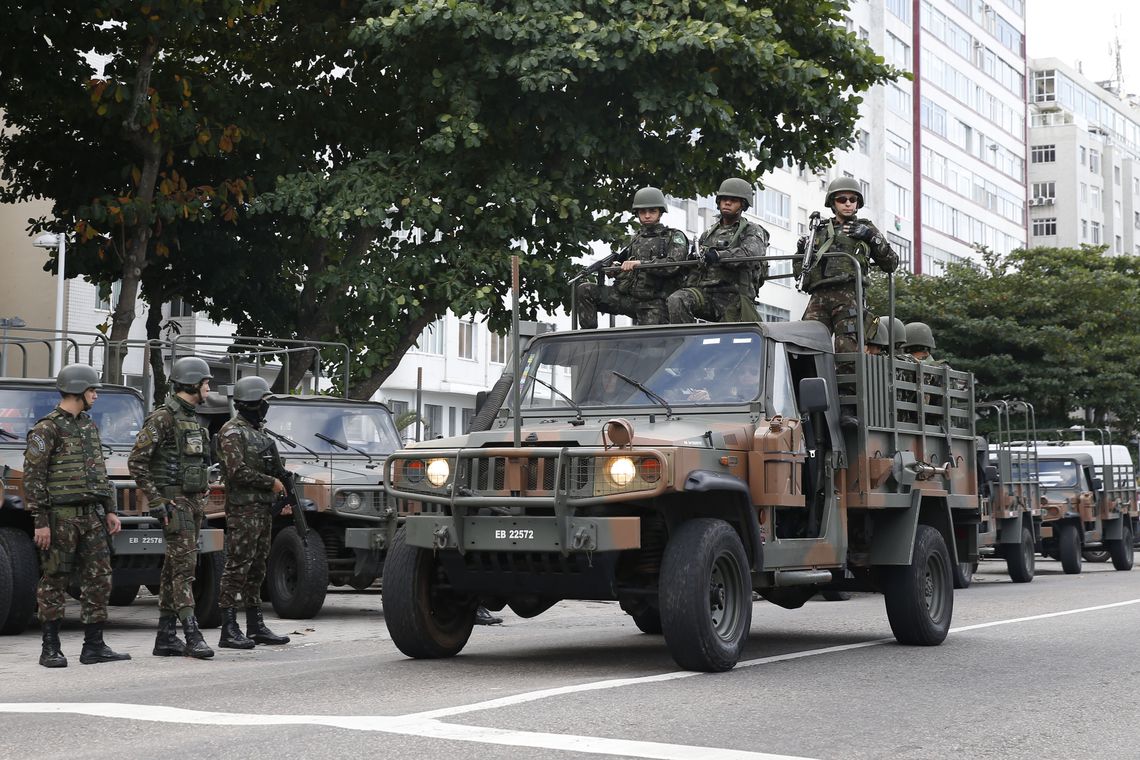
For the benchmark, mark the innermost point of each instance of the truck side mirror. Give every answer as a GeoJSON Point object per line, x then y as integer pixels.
{"type": "Point", "coordinates": [990, 472]}
{"type": "Point", "coordinates": [1097, 484]}
{"type": "Point", "coordinates": [813, 395]}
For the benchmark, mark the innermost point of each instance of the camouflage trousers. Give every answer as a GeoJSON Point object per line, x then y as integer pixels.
{"type": "Point", "coordinates": [249, 529]}
{"type": "Point", "coordinates": [836, 308]}
{"type": "Point", "coordinates": [690, 304]}
{"type": "Point", "coordinates": [594, 298]}
{"type": "Point", "coordinates": [79, 550]}
{"type": "Point", "coordinates": [176, 584]}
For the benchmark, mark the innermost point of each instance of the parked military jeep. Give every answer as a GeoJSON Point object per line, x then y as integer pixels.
{"type": "Point", "coordinates": [678, 468]}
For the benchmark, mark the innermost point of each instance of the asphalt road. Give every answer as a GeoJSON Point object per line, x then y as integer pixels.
{"type": "Point", "coordinates": [1030, 671]}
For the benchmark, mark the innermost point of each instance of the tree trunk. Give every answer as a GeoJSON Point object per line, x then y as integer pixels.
{"type": "Point", "coordinates": [366, 388]}
{"type": "Point", "coordinates": [157, 366]}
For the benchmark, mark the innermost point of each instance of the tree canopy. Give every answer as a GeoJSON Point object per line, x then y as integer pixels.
{"type": "Point", "coordinates": [360, 168]}
{"type": "Point", "coordinates": [1052, 326]}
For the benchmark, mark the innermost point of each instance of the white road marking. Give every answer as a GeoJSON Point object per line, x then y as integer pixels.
{"type": "Point", "coordinates": [403, 725]}
{"type": "Point", "coordinates": [426, 724]}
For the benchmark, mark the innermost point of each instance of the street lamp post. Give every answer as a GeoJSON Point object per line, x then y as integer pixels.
{"type": "Point", "coordinates": [50, 240]}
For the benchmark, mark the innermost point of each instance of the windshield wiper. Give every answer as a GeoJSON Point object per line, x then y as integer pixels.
{"type": "Point", "coordinates": [570, 401]}
{"type": "Point", "coordinates": [343, 445]}
{"type": "Point", "coordinates": [11, 436]}
{"type": "Point", "coordinates": [290, 442]}
{"type": "Point", "coordinates": [652, 394]}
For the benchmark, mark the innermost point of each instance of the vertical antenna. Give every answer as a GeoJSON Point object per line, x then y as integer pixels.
{"type": "Point", "coordinates": [1117, 58]}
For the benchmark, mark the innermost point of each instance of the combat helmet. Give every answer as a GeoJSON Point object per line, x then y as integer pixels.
{"type": "Point", "coordinates": [843, 185]}
{"type": "Point", "coordinates": [899, 331]}
{"type": "Point", "coordinates": [735, 187]}
{"type": "Point", "coordinates": [190, 370]}
{"type": "Point", "coordinates": [250, 389]}
{"type": "Point", "coordinates": [77, 378]}
{"type": "Point", "coordinates": [649, 197]}
{"type": "Point", "coordinates": [880, 338]}
{"type": "Point", "coordinates": [918, 335]}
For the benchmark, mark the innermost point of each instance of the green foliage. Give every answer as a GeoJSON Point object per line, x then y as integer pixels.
{"type": "Point", "coordinates": [402, 151]}
{"type": "Point", "coordinates": [1055, 327]}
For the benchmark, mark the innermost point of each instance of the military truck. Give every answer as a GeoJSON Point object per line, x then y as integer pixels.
{"type": "Point", "coordinates": [138, 548]}
{"type": "Point", "coordinates": [1009, 527]}
{"type": "Point", "coordinates": [1088, 497]}
{"type": "Point", "coordinates": [678, 468]}
{"type": "Point", "coordinates": [336, 447]}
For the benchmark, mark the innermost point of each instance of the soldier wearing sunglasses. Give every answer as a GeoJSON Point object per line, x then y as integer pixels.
{"type": "Point", "coordinates": [831, 282]}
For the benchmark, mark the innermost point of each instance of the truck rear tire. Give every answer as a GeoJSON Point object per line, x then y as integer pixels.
{"type": "Point", "coordinates": [705, 596]}
{"type": "Point", "coordinates": [1122, 549]}
{"type": "Point", "coordinates": [1069, 548]}
{"type": "Point", "coordinates": [1021, 560]}
{"type": "Point", "coordinates": [208, 588]}
{"type": "Point", "coordinates": [5, 585]}
{"type": "Point", "coordinates": [298, 574]}
{"type": "Point", "coordinates": [964, 574]}
{"type": "Point", "coordinates": [424, 620]}
{"type": "Point", "coordinates": [920, 596]}
{"type": "Point", "coordinates": [24, 567]}
{"type": "Point", "coordinates": [123, 596]}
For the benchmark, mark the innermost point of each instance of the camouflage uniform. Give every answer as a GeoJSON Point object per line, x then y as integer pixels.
{"type": "Point", "coordinates": [639, 293]}
{"type": "Point", "coordinates": [831, 283]}
{"type": "Point", "coordinates": [721, 290]}
{"type": "Point", "coordinates": [250, 462]}
{"type": "Point", "coordinates": [169, 463]}
{"type": "Point", "coordinates": [67, 490]}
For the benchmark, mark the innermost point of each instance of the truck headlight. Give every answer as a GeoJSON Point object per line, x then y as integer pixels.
{"type": "Point", "coordinates": [438, 471]}
{"type": "Point", "coordinates": [351, 500]}
{"type": "Point", "coordinates": [621, 471]}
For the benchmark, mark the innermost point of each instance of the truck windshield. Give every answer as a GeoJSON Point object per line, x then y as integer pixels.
{"type": "Point", "coordinates": [117, 413]}
{"type": "Point", "coordinates": [699, 368]}
{"type": "Point", "coordinates": [1060, 474]}
{"type": "Point", "coordinates": [368, 428]}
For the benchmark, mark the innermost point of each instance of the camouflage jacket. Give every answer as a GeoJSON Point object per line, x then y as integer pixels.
{"type": "Point", "coordinates": [250, 462]}
{"type": "Point", "coordinates": [733, 241]}
{"type": "Point", "coordinates": [63, 465]}
{"type": "Point", "coordinates": [653, 243]}
{"type": "Point", "coordinates": [831, 271]}
{"type": "Point", "coordinates": [172, 453]}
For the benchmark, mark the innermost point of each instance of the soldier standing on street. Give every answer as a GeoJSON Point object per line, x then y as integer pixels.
{"type": "Point", "coordinates": [722, 289]}
{"type": "Point", "coordinates": [639, 294]}
{"type": "Point", "coordinates": [68, 497]}
{"type": "Point", "coordinates": [254, 477]}
{"type": "Point", "coordinates": [831, 281]}
{"type": "Point", "coordinates": [170, 463]}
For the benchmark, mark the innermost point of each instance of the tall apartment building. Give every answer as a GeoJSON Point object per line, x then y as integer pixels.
{"type": "Point", "coordinates": [1084, 178]}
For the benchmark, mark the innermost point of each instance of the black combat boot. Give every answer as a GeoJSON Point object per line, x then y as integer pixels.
{"type": "Point", "coordinates": [94, 650]}
{"type": "Point", "coordinates": [51, 657]}
{"type": "Point", "coordinates": [232, 637]}
{"type": "Point", "coordinates": [167, 643]}
{"type": "Point", "coordinates": [255, 628]}
{"type": "Point", "coordinates": [483, 616]}
{"type": "Point", "coordinates": [196, 646]}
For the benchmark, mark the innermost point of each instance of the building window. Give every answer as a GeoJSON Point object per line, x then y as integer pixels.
{"type": "Point", "coordinates": [1084, 230]}
{"type": "Point", "coordinates": [1136, 219]}
{"type": "Point", "coordinates": [467, 416]}
{"type": "Point", "coordinates": [897, 52]}
{"type": "Point", "coordinates": [1043, 154]}
{"type": "Point", "coordinates": [902, 249]}
{"type": "Point", "coordinates": [898, 200]}
{"type": "Point", "coordinates": [467, 340]}
{"type": "Point", "coordinates": [1084, 155]}
{"type": "Point", "coordinates": [1095, 192]}
{"type": "Point", "coordinates": [103, 292]}
{"type": "Point", "coordinates": [179, 308]}
{"type": "Point", "coordinates": [1119, 244]}
{"type": "Point", "coordinates": [433, 421]}
{"type": "Point", "coordinates": [865, 190]}
{"type": "Point", "coordinates": [1044, 227]}
{"type": "Point", "coordinates": [498, 349]}
{"type": "Point", "coordinates": [900, 9]}
{"type": "Point", "coordinates": [1094, 161]}
{"type": "Point", "coordinates": [898, 100]}
{"type": "Point", "coordinates": [864, 140]}
{"type": "Point", "coordinates": [773, 314]}
{"type": "Point", "coordinates": [1084, 192]}
{"type": "Point", "coordinates": [898, 148]}
{"type": "Point", "coordinates": [1044, 190]}
{"type": "Point", "coordinates": [775, 207]}
{"type": "Point", "coordinates": [1116, 175]}
{"type": "Point", "coordinates": [431, 339]}
{"type": "Point", "coordinates": [1096, 233]}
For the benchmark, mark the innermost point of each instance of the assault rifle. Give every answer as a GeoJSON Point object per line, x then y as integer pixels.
{"type": "Point", "coordinates": [616, 257]}
{"type": "Point", "coordinates": [811, 253]}
{"type": "Point", "coordinates": [290, 498]}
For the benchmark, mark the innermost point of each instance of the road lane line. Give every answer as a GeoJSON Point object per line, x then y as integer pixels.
{"type": "Point", "coordinates": [402, 725]}
{"type": "Point", "coordinates": [1044, 616]}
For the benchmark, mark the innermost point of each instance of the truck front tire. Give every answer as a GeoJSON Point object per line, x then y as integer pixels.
{"type": "Point", "coordinates": [1020, 560]}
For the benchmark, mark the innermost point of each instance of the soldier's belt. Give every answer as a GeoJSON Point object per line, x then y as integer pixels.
{"type": "Point", "coordinates": [173, 492]}
{"type": "Point", "coordinates": [74, 510]}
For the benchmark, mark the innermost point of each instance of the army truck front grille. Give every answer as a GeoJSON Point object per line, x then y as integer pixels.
{"type": "Point", "coordinates": [489, 474]}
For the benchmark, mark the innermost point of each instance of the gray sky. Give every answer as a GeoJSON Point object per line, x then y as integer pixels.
{"type": "Point", "coordinates": [1083, 31]}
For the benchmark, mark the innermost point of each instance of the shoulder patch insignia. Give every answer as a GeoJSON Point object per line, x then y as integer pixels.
{"type": "Point", "coordinates": [37, 446]}
{"type": "Point", "coordinates": [145, 436]}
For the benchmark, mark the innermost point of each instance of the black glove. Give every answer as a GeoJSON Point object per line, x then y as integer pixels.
{"type": "Point", "coordinates": [712, 256]}
{"type": "Point", "coordinates": [160, 511]}
{"type": "Point", "coordinates": [801, 245]}
{"type": "Point", "coordinates": [859, 231]}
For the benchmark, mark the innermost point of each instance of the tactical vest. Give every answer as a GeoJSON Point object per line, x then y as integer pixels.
{"type": "Point", "coordinates": [745, 279]}
{"type": "Point", "coordinates": [181, 460]}
{"type": "Point", "coordinates": [837, 270]}
{"type": "Point", "coordinates": [259, 454]}
{"type": "Point", "coordinates": [76, 472]}
{"type": "Point", "coordinates": [649, 244]}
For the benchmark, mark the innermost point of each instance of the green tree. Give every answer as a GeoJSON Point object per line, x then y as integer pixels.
{"type": "Point", "coordinates": [115, 110]}
{"type": "Point", "coordinates": [1052, 326]}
